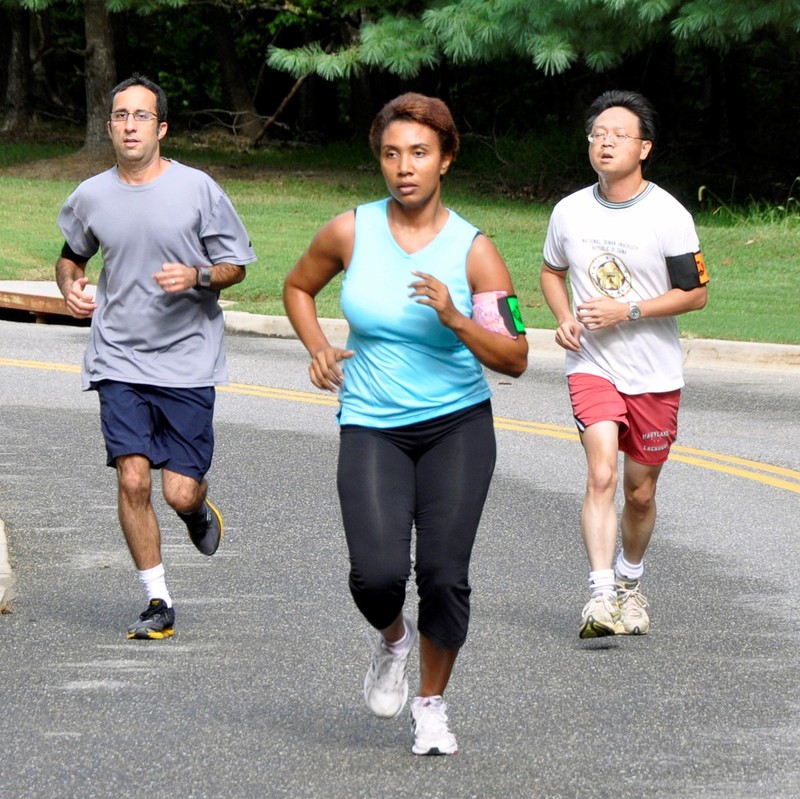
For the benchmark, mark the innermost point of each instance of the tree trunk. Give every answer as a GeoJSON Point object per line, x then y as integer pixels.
{"type": "Point", "coordinates": [246, 121]}
{"type": "Point", "coordinates": [100, 76]}
{"type": "Point", "coordinates": [16, 112]}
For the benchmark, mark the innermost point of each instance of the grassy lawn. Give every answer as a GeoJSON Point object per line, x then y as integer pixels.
{"type": "Point", "coordinates": [283, 197]}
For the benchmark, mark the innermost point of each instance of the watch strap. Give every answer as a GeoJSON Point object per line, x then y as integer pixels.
{"type": "Point", "coordinates": [203, 276]}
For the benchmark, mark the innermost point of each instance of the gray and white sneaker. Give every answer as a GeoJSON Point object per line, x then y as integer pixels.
{"type": "Point", "coordinates": [156, 623]}
{"type": "Point", "coordinates": [429, 725]}
{"type": "Point", "coordinates": [385, 685]}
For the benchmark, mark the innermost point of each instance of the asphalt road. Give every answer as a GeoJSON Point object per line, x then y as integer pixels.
{"type": "Point", "coordinates": [259, 692]}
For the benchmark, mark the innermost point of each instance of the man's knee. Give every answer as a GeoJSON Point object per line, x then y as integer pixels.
{"type": "Point", "coordinates": [133, 476]}
{"type": "Point", "coordinates": [602, 479]}
{"type": "Point", "coordinates": [641, 496]}
{"type": "Point", "coordinates": [183, 494]}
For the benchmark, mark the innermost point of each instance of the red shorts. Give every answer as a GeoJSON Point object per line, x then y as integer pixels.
{"type": "Point", "coordinates": [648, 423]}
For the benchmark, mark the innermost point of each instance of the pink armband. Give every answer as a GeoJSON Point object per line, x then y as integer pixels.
{"type": "Point", "coordinates": [497, 312]}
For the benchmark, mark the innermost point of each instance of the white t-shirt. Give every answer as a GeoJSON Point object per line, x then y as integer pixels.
{"type": "Point", "coordinates": [619, 250]}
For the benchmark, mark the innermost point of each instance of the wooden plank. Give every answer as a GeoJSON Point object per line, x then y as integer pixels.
{"type": "Point", "coordinates": [34, 303]}
{"type": "Point", "coordinates": [41, 298]}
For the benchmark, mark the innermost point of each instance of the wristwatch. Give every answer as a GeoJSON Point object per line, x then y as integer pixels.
{"type": "Point", "coordinates": [203, 276]}
{"type": "Point", "coordinates": [634, 312]}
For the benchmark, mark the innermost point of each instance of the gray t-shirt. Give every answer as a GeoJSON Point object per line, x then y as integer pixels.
{"type": "Point", "coordinates": [139, 333]}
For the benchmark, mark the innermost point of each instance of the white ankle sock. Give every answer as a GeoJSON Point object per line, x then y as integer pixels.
{"type": "Point", "coordinates": [399, 647]}
{"type": "Point", "coordinates": [428, 701]}
{"type": "Point", "coordinates": [155, 584]}
{"type": "Point", "coordinates": [601, 583]}
{"type": "Point", "coordinates": [628, 571]}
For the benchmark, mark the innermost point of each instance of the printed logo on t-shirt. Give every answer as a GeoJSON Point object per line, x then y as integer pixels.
{"type": "Point", "coordinates": [610, 275]}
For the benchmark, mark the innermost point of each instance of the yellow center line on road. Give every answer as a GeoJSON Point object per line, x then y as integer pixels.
{"type": "Point", "coordinates": [52, 367]}
{"type": "Point", "coordinates": [280, 393]}
{"type": "Point", "coordinates": [537, 428]}
{"type": "Point", "coordinates": [715, 461]}
{"type": "Point", "coordinates": [732, 459]}
{"type": "Point", "coordinates": [748, 475]}
{"type": "Point", "coordinates": [765, 473]}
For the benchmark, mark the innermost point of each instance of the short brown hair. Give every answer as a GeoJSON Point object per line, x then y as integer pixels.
{"type": "Point", "coordinates": [413, 107]}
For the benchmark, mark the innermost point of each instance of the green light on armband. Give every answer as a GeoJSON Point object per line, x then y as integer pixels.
{"type": "Point", "coordinates": [513, 306]}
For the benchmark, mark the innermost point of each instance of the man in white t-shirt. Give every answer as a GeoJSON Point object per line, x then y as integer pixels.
{"type": "Point", "coordinates": [170, 241]}
{"type": "Point", "coordinates": [634, 263]}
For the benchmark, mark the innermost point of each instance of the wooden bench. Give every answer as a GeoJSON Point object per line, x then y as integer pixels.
{"type": "Point", "coordinates": [38, 297]}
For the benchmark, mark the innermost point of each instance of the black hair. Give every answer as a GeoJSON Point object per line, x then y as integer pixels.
{"type": "Point", "coordinates": [636, 103]}
{"type": "Point", "coordinates": [140, 80]}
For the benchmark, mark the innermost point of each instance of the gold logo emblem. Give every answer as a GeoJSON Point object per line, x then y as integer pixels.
{"type": "Point", "coordinates": [610, 275]}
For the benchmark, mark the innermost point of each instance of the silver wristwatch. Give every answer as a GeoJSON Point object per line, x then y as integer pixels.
{"type": "Point", "coordinates": [634, 312]}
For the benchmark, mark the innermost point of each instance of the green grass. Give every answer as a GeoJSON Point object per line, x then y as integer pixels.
{"type": "Point", "coordinates": [285, 195]}
{"type": "Point", "coordinates": [21, 152]}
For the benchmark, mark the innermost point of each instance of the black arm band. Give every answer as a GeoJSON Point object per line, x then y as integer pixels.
{"type": "Point", "coordinates": [68, 253]}
{"type": "Point", "coordinates": [687, 271]}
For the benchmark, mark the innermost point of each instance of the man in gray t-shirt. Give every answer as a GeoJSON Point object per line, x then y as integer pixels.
{"type": "Point", "coordinates": [170, 241]}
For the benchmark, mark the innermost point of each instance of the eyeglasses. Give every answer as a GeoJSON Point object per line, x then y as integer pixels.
{"type": "Point", "coordinates": [612, 138]}
{"type": "Point", "coordinates": [139, 116]}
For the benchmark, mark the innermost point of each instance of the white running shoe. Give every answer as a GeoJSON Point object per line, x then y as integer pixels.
{"type": "Point", "coordinates": [632, 608]}
{"type": "Point", "coordinates": [386, 686]}
{"type": "Point", "coordinates": [600, 617]}
{"type": "Point", "coordinates": [429, 725]}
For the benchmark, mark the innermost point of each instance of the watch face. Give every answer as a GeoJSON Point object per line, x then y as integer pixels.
{"type": "Point", "coordinates": [205, 277]}
{"type": "Point", "coordinates": [633, 312]}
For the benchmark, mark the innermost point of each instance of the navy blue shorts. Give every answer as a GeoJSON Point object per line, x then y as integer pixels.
{"type": "Point", "coordinates": [172, 427]}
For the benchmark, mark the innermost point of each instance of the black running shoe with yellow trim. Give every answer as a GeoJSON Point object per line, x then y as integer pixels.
{"type": "Point", "coordinates": [157, 622]}
{"type": "Point", "coordinates": [206, 530]}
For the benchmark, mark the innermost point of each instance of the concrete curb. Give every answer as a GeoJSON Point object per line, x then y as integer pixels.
{"type": "Point", "coordinates": [43, 298]}
{"type": "Point", "coordinates": [698, 353]}
{"type": "Point", "coordinates": [745, 355]}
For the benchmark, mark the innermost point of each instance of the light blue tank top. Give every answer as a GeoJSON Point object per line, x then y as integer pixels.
{"type": "Point", "coordinates": [407, 366]}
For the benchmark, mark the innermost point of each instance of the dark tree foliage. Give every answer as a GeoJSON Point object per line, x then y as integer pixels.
{"type": "Point", "coordinates": [729, 109]}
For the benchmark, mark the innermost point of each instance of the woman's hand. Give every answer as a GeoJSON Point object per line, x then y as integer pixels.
{"type": "Point", "coordinates": [324, 370]}
{"type": "Point", "coordinates": [430, 291]}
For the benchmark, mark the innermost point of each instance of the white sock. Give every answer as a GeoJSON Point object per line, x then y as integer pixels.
{"type": "Point", "coordinates": [601, 583]}
{"type": "Point", "coordinates": [628, 571]}
{"type": "Point", "coordinates": [155, 584]}
{"type": "Point", "coordinates": [428, 701]}
{"type": "Point", "coordinates": [399, 647]}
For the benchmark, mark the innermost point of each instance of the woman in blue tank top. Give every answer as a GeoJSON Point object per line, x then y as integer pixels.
{"type": "Point", "coordinates": [429, 302]}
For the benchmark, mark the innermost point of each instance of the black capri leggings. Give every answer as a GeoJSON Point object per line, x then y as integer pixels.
{"type": "Point", "coordinates": [433, 476]}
